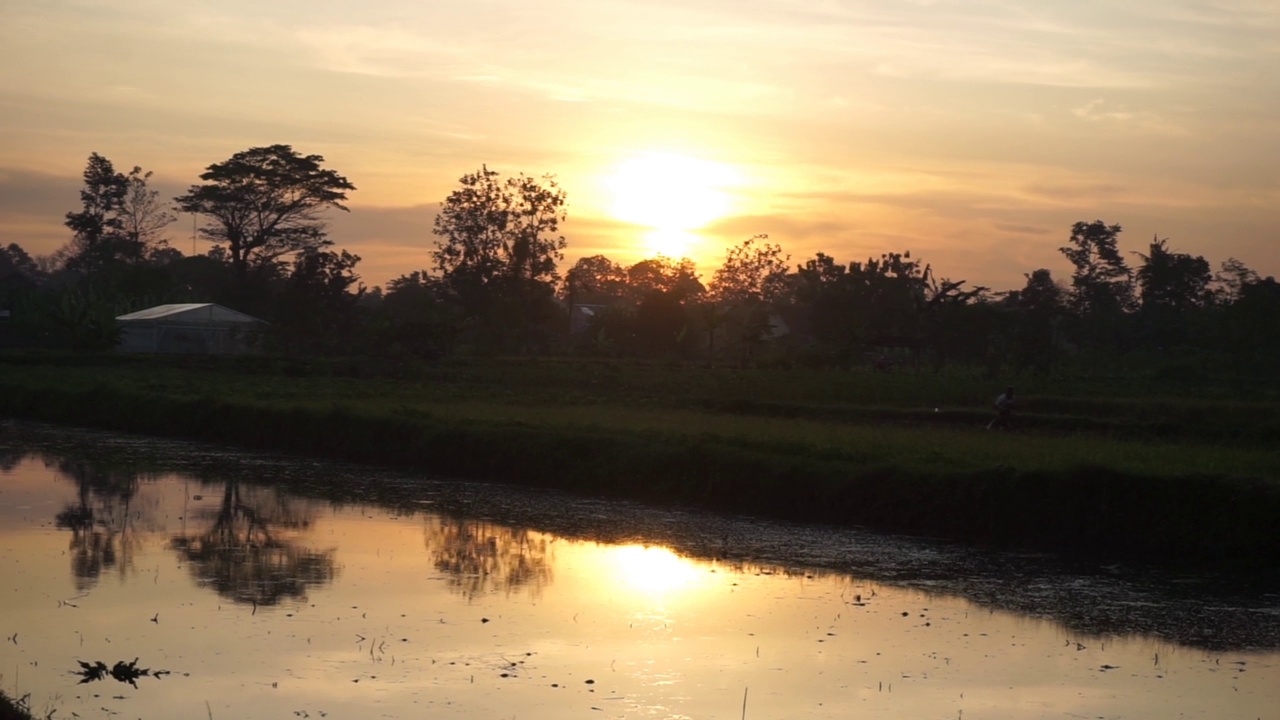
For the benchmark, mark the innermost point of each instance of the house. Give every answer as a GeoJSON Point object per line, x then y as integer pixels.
{"type": "Point", "coordinates": [197, 328]}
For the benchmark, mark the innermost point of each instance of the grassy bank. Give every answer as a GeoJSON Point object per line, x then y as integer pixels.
{"type": "Point", "coordinates": [11, 709]}
{"type": "Point", "coordinates": [848, 448]}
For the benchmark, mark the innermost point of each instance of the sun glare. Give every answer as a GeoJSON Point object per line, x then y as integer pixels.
{"type": "Point", "coordinates": [671, 243]}
{"type": "Point", "coordinates": [670, 193]}
{"type": "Point", "coordinates": [653, 570]}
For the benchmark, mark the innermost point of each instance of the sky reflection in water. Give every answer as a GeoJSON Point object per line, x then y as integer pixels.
{"type": "Point", "coordinates": [265, 604]}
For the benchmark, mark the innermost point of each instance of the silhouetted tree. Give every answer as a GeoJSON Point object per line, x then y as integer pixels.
{"type": "Point", "coordinates": [120, 221]}
{"type": "Point", "coordinates": [594, 280]}
{"type": "Point", "coordinates": [98, 228]}
{"type": "Point", "coordinates": [1039, 305]}
{"type": "Point", "coordinates": [19, 275]}
{"type": "Point", "coordinates": [265, 203]}
{"type": "Point", "coordinates": [1102, 282]}
{"type": "Point", "coordinates": [492, 228]}
{"type": "Point", "coordinates": [662, 292]}
{"type": "Point", "coordinates": [1169, 280]}
{"type": "Point", "coordinates": [1101, 285]}
{"type": "Point", "coordinates": [317, 309]}
{"type": "Point", "coordinates": [1231, 279]}
{"type": "Point", "coordinates": [498, 251]}
{"type": "Point", "coordinates": [741, 294]}
{"type": "Point", "coordinates": [1171, 285]}
{"type": "Point", "coordinates": [143, 217]}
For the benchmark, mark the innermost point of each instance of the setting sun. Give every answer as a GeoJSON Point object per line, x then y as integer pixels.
{"type": "Point", "coordinates": [672, 194]}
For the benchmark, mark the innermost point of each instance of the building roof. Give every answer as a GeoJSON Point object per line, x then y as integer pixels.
{"type": "Point", "coordinates": [189, 313]}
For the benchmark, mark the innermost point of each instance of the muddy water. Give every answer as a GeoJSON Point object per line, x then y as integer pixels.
{"type": "Point", "coordinates": [259, 587]}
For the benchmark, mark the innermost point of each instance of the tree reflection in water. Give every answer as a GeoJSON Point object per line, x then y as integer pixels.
{"type": "Point", "coordinates": [101, 520]}
{"type": "Point", "coordinates": [247, 554]}
{"type": "Point", "coordinates": [480, 557]}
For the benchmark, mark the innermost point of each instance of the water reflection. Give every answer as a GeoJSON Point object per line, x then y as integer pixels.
{"type": "Point", "coordinates": [480, 557]}
{"type": "Point", "coordinates": [445, 607]}
{"type": "Point", "coordinates": [101, 521]}
{"type": "Point", "coordinates": [248, 554]}
{"type": "Point", "coordinates": [250, 549]}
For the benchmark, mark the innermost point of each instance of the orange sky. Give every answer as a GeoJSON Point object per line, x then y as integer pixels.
{"type": "Point", "coordinates": [971, 133]}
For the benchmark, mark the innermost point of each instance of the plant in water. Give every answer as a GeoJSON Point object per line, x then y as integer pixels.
{"type": "Point", "coordinates": [122, 672]}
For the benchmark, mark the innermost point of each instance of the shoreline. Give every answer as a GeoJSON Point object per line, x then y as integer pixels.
{"type": "Point", "coordinates": [1194, 520]}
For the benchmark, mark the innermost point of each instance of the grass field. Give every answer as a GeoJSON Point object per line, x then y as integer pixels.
{"type": "Point", "coordinates": [1101, 466]}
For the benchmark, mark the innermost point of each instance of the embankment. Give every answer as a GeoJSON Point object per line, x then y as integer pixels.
{"type": "Point", "coordinates": [1200, 519]}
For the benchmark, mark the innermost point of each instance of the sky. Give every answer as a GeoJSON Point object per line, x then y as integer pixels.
{"type": "Point", "coordinates": [971, 133]}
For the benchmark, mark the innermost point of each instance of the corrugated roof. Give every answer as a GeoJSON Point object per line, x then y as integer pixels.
{"type": "Point", "coordinates": [189, 312]}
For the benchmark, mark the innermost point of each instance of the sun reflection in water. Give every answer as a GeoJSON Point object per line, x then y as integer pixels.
{"type": "Point", "coordinates": [654, 571]}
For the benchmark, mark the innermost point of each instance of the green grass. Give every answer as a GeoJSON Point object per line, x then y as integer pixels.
{"type": "Point", "coordinates": [1177, 478]}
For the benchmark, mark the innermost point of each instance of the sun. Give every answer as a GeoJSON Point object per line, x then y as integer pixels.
{"type": "Point", "coordinates": [672, 194]}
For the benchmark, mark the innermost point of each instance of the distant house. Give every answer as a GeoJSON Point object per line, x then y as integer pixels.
{"type": "Point", "coordinates": [197, 328]}
{"type": "Point", "coordinates": [582, 317]}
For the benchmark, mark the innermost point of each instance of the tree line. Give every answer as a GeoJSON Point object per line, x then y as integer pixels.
{"type": "Point", "coordinates": [494, 286]}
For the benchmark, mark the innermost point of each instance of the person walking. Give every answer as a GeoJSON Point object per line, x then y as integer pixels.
{"type": "Point", "coordinates": [1004, 411]}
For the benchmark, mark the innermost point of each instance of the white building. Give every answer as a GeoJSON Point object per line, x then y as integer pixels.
{"type": "Point", "coordinates": [198, 328]}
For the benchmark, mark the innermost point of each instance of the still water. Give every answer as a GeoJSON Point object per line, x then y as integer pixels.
{"type": "Point", "coordinates": [266, 587]}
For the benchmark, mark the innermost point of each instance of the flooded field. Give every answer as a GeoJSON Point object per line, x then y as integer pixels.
{"type": "Point", "coordinates": [147, 579]}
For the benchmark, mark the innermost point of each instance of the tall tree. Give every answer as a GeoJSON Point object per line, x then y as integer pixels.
{"type": "Point", "coordinates": [741, 293]}
{"type": "Point", "coordinates": [1101, 285]}
{"type": "Point", "coordinates": [498, 249]}
{"type": "Point", "coordinates": [143, 217]}
{"type": "Point", "coordinates": [1102, 281]}
{"type": "Point", "coordinates": [120, 222]}
{"type": "Point", "coordinates": [491, 228]}
{"type": "Point", "coordinates": [265, 203]}
{"type": "Point", "coordinates": [98, 227]}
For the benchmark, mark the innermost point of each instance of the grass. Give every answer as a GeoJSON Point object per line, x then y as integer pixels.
{"type": "Point", "coordinates": [11, 709]}
{"type": "Point", "coordinates": [1180, 478]}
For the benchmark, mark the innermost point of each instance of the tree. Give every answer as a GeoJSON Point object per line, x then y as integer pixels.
{"type": "Point", "coordinates": [498, 250]}
{"type": "Point", "coordinates": [120, 221]}
{"type": "Point", "coordinates": [265, 203]}
{"type": "Point", "coordinates": [18, 273]}
{"type": "Point", "coordinates": [1172, 281]}
{"type": "Point", "coordinates": [1039, 306]}
{"type": "Point", "coordinates": [1102, 282]}
{"type": "Point", "coordinates": [1101, 285]}
{"type": "Point", "coordinates": [317, 307]}
{"type": "Point", "coordinates": [1231, 279]}
{"type": "Point", "coordinates": [500, 229]}
{"type": "Point", "coordinates": [594, 280]}
{"type": "Point", "coordinates": [1172, 286]}
{"type": "Point", "coordinates": [676, 278]}
{"type": "Point", "coordinates": [422, 316]}
{"type": "Point", "coordinates": [751, 272]}
{"type": "Point", "coordinates": [143, 217]}
{"type": "Point", "coordinates": [741, 292]}
{"type": "Point", "coordinates": [98, 228]}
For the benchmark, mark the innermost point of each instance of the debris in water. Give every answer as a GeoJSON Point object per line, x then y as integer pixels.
{"type": "Point", "coordinates": [122, 672]}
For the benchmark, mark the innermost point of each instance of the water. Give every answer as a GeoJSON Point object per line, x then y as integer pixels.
{"type": "Point", "coordinates": [266, 587]}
